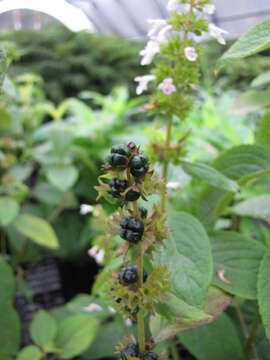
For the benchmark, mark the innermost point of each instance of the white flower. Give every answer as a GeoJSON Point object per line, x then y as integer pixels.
{"type": "Point", "coordinates": [173, 185]}
{"type": "Point", "coordinates": [128, 323]}
{"type": "Point", "coordinates": [191, 54]}
{"type": "Point", "coordinates": [112, 310]}
{"type": "Point", "coordinates": [97, 253]}
{"type": "Point", "coordinates": [161, 37]}
{"type": "Point", "coordinates": [217, 33]}
{"type": "Point", "coordinates": [86, 209]}
{"type": "Point", "coordinates": [143, 83]}
{"type": "Point", "coordinates": [167, 86]}
{"type": "Point", "coordinates": [172, 5]}
{"type": "Point", "coordinates": [209, 9]}
{"type": "Point", "coordinates": [156, 24]}
{"type": "Point", "coordinates": [93, 308]}
{"type": "Point", "coordinates": [148, 53]}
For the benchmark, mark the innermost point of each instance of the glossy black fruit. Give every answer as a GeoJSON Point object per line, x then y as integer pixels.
{"type": "Point", "coordinates": [117, 187]}
{"type": "Point", "coordinates": [143, 212]}
{"type": "Point", "coordinates": [128, 275]}
{"type": "Point", "coordinates": [131, 229]}
{"type": "Point", "coordinates": [131, 350]}
{"type": "Point", "coordinates": [132, 195]}
{"type": "Point", "coordinates": [119, 156]}
{"type": "Point", "coordinates": [139, 165]}
{"type": "Point", "coordinates": [150, 356]}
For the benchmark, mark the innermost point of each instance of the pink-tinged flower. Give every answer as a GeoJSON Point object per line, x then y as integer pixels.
{"type": "Point", "coordinates": [149, 52]}
{"type": "Point", "coordinates": [172, 5]}
{"type": "Point", "coordinates": [209, 9]}
{"type": "Point", "coordinates": [156, 24]}
{"type": "Point", "coordinates": [191, 54]}
{"type": "Point", "coordinates": [143, 82]}
{"type": "Point", "coordinates": [167, 86]}
{"type": "Point", "coordinates": [97, 253]}
{"type": "Point", "coordinates": [217, 33]}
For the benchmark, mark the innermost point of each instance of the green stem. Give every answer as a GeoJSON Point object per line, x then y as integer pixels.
{"type": "Point", "coordinates": [252, 337]}
{"type": "Point", "coordinates": [174, 351]}
{"type": "Point", "coordinates": [166, 166]}
{"type": "Point", "coordinates": [21, 253]}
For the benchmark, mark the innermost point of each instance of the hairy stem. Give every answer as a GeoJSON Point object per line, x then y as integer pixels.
{"type": "Point", "coordinates": [140, 315]}
{"type": "Point", "coordinates": [250, 345]}
{"type": "Point", "coordinates": [166, 165]}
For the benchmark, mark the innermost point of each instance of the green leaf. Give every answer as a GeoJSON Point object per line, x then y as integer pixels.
{"type": "Point", "coordinates": [236, 262]}
{"type": "Point", "coordinates": [218, 340]}
{"type": "Point", "coordinates": [261, 80]}
{"type": "Point", "coordinates": [187, 254]}
{"type": "Point", "coordinates": [5, 117]}
{"type": "Point", "coordinates": [75, 335]}
{"type": "Point", "coordinates": [257, 207]}
{"type": "Point", "coordinates": [62, 177]}
{"type": "Point", "coordinates": [263, 131]}
{"type": "Point", "coordinates": [7, 282]}
{"type": "Point", "coordinates": [241, 163]}
{"type": "Point", "coordinates": [37, 230]}
{"type": "Point", "coordinates": [9, 209]}
{"type": "Point", "coordinates": [175, 316]}
{"type": "Point", "coordinates": [255, 40]}
{"type": "Point", "coordinates": [9, 329]}
{"type": "Point", "coordinates": [43, 329]}
{"type": "Point", "coordinates": [210, 175]}
{"type": "Point", "coordinates": [250, 101]}
{"type": "Point", "coordinates": [30, 353]}
{"type": "Point", "coordinates": [263, 292]}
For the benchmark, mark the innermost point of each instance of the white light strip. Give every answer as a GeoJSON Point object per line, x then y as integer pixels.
{"type": "Point", "coordinates": [71, 16]}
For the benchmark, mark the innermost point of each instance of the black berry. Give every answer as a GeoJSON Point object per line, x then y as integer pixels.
{"type": "Point", "coordinates": [131, 350]}
{"type": "Point", "coordinates": [139, 165]}
{"type": "Point", "coordinates": [129, 275]}
{"type": "Point", "coordinates": [119, 156]}
{"type": "Point", "coordinates": [143, 212]}
{"type": "Point", "coordinates": [150, 356]}
{"type": "Point", "coordinates": [132, 195]}
{"type": "Point", "coordinates": [131, 229]}
{"type": "Point", "coordinates": [117, 187]}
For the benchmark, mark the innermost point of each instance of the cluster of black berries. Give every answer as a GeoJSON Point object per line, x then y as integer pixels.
{"type": "Point", "coordinates": [132, 350]}
{"type": "Point", "coordinates": [129, 275]}
{"type": "Point", "coordinates": [121, 157]}
{"type": "Point", "coordinates": [119, 186]}
{"type": "Point", "coordinates": [131, 229]}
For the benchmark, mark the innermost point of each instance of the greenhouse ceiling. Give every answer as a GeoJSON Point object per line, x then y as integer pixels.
{"type": "Point", "coordinates": [128, 17]}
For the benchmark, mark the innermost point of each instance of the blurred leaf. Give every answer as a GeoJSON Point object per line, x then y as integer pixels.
{"type": "Point", "coordinates": [250, 101]}
{"type": "Point", "coordinates": [187, 254]}
{"type": "Point", "coordinates": [7, 282]}
{"type": "Point", "coordinates": [9, 329]}
{"type": "Point", "coordinates": [263, 292]}
{"type": "Point", "coordinates": [255, 40]}
{"type": "Point", "coordinates": [3, 64]}
{"type": "Point", "coordinates": [210, 175]}
{"type": "Point", "coordinates": [263, 131]}
{"type": "Point", "coordinates": [9, 209]}
{"type": "Point", "coordinates": [43, 329]}
{"type": "Point", "coordinates": [75, 335]}
{"type": "Point", "coordinates": [37, 230]}
{"type": "Point", "coordinates": [62, 177]}
{"type": "Point", "coordinates": [175, 316]}
{"type": "Point", "coordinates": [261, 80]}
{"type": "Point", "coordinates": [257, 207]}
{"type": "Point", "coordinates": [30, 353]}
{"type": "Point", "coordinates": [218, 340]}
{"type": "Point", "coordinates": [5, 118]}
{"type": "Point", "coordinates": [236, 261]}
